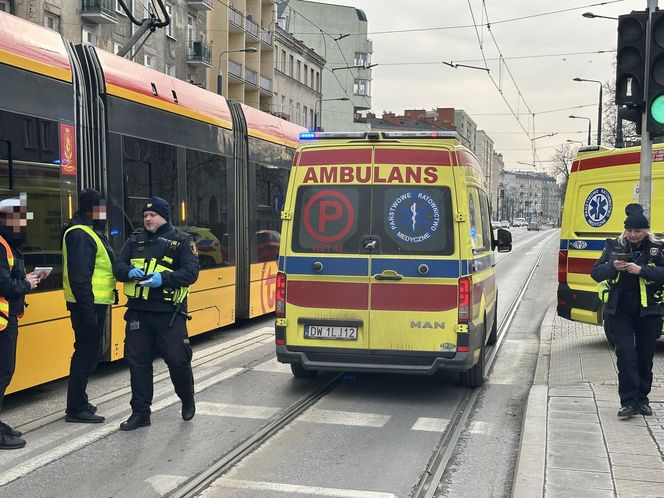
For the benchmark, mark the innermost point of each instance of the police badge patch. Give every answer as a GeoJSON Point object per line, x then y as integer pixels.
{"type": "Point", "coordinates": [654, 251]}
{"type": "Point", "coordinates": [194, 249]}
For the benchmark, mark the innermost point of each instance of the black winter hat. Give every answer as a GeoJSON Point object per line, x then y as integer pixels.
{"type": "Point", "coordinates": [635, 217]}
{"type": "Point", "coordinates": [87, 199]}
{"type": "Point", "coordinates": [159, 206]}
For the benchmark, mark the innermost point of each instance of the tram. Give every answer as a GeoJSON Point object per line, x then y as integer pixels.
{"type": "Point", "coordinates": [73, 117]}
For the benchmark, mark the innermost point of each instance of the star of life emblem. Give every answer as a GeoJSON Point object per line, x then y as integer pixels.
{"type": "Point", "coordinates": [598, 207]}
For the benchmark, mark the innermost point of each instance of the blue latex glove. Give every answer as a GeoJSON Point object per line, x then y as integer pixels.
{"type": "Point", "coordinates": [136, 274]}
{"type": "Point", "coordinates": [155, 280]}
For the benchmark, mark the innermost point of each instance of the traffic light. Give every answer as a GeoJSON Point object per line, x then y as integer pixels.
{"type": "Point", "coordinates": [630, 61]}
{"type": "Point", "coordinates": [655, 97]}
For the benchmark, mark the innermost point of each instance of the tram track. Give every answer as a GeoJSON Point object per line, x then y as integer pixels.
{"type": "Point", "coordinates": [442, 454]}
{"type": "Point", "coordinates": [428, 486]}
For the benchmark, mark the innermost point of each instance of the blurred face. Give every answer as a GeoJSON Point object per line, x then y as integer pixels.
{"type": "Point", "coordinates": [17, 218]}
{"type": "Point", "coordinates": [99, 212]}
{"type": "Point", "coordinates": [152, 221]}
{"type": "Point", "coordinates": [636, 235]}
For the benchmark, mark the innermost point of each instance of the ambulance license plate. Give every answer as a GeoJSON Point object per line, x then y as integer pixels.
{"type": "Point", "coordinates": [330, 332]}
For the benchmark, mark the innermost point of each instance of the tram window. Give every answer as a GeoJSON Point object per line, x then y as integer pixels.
{"type": "Point", "coordinates": [150, 169]}
{"type": "Point", "coordinates": [207, 202]}
{"type": "Point", "coordinates": [5, 147]}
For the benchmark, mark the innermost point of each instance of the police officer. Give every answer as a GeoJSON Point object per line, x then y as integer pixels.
{"type": "Point", "coordinates": [14, 284]}
{"type": "Point", "coordinates": [89, 288]}
{"type": "Point", "coordinates": [631, 275]}
{"type": "Point", "coordinates": [157, 264]}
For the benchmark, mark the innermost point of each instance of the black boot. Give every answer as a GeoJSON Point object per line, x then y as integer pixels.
{"type": "Point", "coordinates": [6, 428]}
{"type": "Point", "coordinates": [627, 411]}
{"type": "Point", "coordinates": [188, 408]}
{"type": "Point", "coordinates": [10, 442]}
{"type": "Point", "coordinates": [134, 422]}
{"type": "Point", "coordinates": [84, 417]}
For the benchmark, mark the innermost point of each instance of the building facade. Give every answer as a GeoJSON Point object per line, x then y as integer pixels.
{"type": "Point", "coordinates": [297, 71]}
{"type": "Point", "coordinates": [534, 196]}
{"type": "Point", "coordinates": [346, 80]}
{"type": "Point", "coordinates": [241, 39]}
{"type": "Point", "coordinates": [180, 49]}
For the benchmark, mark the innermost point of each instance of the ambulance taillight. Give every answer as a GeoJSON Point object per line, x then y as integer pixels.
{"type": "Point", "coordinates": [562, 267]}
{"type": "Point", "coordinates": [280, 307]}
{"type": "Point", "coordinates": [465, 306]}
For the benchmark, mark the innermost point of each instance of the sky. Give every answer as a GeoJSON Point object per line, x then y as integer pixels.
{"type": "Point", "coordinates": [544, 46]}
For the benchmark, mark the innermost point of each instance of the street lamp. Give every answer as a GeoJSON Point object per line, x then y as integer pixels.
{"type": "Point", "coordinates": [582, 117]}
{"type": "Point", "coordinates": [590, 15]}
{"type": "Point", "coordinates": [318, 122]}
{"type": "Point", "coordinates": [220, 74]}
{"type": "Point", "coordinates": [599, 113]}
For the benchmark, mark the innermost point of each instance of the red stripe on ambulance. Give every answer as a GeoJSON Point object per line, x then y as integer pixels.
{"type": "Point", "coordinates": [339, 156]}
{"type": "Point", "coordinates": [413, 156]}
{"type": "Point", "coordinates": [333, 295]}
{"type": "Point", "coordinates": [580, 265]}
{"type": "Point", "coordinates": [413, 297]}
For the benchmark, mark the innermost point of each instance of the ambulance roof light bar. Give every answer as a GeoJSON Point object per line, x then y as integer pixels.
{"type": "Point", "coordinates": [376, 135]}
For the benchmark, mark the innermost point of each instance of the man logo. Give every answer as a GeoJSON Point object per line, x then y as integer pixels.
{"type": "Point", "coordinates": [579, 244]}
{"type": "Point", "coordinates": [427, 325]}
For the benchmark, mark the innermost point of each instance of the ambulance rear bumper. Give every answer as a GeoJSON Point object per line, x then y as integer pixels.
{"type": "Point", "coordinates": [425, 363]}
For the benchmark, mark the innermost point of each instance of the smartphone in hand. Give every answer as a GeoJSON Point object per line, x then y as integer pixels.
{"type": "Point", "coordinates": [145, 281]}
{"type": "Point", "coordinates": [622, 256]}
{"type": "Point", "coordinates": [42, 271]}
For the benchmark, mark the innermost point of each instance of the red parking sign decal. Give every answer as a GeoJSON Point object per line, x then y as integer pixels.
{"type": "Point", "coordinates": [328, 216]}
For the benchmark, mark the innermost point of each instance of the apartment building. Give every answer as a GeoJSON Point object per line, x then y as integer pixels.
{"type": "Point", "coordinates": [534, 196]}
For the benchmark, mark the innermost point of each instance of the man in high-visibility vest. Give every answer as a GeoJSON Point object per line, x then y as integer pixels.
{"type": "Point", "coordinates": [89, 288]}
{"type": "Point", "coordinates": [157, 265]}
{"type": "Point", "coordinates": [14, 285]}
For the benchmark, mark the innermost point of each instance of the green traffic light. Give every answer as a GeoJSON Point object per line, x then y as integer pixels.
{"type": "Point", "coordinates": [657, 109]}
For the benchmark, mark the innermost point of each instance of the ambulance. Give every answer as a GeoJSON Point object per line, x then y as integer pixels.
{"type": "Point", "coordinates": [601, 183]}
{"type": "Point", "coordinates": [387, 257]}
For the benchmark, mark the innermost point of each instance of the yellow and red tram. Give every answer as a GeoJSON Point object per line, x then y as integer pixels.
{"type": "Point", "coordinates": [74, 116]}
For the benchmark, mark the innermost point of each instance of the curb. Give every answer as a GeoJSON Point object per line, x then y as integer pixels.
{"type": "Point", "coordinates": [531, 464]}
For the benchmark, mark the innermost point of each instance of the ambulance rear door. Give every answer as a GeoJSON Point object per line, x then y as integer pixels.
{"type": "Point", "coordinates": [414, 263]}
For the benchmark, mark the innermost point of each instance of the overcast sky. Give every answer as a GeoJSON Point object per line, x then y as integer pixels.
{"type": "Point", "coordinates": [409, 74]}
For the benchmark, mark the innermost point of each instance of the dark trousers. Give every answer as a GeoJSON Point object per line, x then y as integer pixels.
{"type": "Point", "coordinates": [87, 351]}
{"type": "Point", "coordinates": [635, 337]}
{"type": "Point", "coordinates": [146, 334]}
{"type": "Point", "coordinates": [8, 339]}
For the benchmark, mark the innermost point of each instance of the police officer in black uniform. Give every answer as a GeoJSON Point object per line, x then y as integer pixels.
{"type": "Point", "coordinates": [631, 275]}
{"type": "Point", "coordinates": [157, 264]}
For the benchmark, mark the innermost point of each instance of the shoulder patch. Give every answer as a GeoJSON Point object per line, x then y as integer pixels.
{"type": "Point", "coordinates": [654, 251]}
{"type": "Point", "coordinates": [194, 249]}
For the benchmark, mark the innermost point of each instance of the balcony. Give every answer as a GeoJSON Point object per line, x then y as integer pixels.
{"type": "Point", "coordinates": [200, 4]}
{"type": "Point", "coordinates": [198, 54]}
{"type": "Point", "coordinates": [265, 84]}
{"type": "Point", "coordinates": [251, 76]}
{"type": "Point", "coordinates": [99, 11]}
{"type": "Point", "coordinates": [265, 36]}
{"type": "Point", "coordinates": [252, 28]}
{"type": "Point", "coordinates": [235, 19]}
{"type": "Point", "coordinates": [235, 69]}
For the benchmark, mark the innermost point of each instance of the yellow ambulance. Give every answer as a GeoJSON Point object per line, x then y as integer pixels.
{"type": "Point", "coordinates": [601, 183]}
{"type": "Point", "coordinates": [387, 257]}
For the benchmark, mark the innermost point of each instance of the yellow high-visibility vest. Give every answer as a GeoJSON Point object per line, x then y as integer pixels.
{"type": "Point", "coordinates": [103, 282]}
{"type": "Point", "coordinates": [4, 304]}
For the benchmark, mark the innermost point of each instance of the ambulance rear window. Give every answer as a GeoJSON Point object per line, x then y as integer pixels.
{"type": "Point", "coordinates": [401, 219]}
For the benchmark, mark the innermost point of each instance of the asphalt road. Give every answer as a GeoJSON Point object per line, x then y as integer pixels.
{"type": "Point", "coordinates": [372, 436]}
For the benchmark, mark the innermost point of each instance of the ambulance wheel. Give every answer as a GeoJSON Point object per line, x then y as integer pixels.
{"type": "Point", "coordinates": [475, 376]}
{"type": "Point", "coordinates": [493, 335]}
{"type": "Point", "coordinates": [300, 372]}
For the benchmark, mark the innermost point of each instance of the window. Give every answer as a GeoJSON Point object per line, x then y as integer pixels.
{"type": "Point", "coordinates": [306, 75]}
{"type": "Point", "coordinates": [298, 117]}
{"type": "Point", "coordinates": [311, 80]}
{"type": "Point", "coordinates": [116, 47]}
{"type": "Point", "coordinates": [317, 87]}
{"type": "Point", "coordinates": [283, 61]}
{"type": "Point", "coordinates": [283, 103]}
{"type": "Point", "coordinates": [118, 8]}
{"type": "Point", "coordinates": [480, 236]}
{"type": "Point", "coordinates": [191, 28]}
{"type": "Point", "coordinates": [4, 6]}
{"type": "Point", "coordinates": [144, 161]}
{"type": "Point", "coordinates": [170, 70]}
{"type": "Point", "coordinates": [51, 21]}
{"type": "Point", "coordinates": [298, 72]}
{"type": "Point", "coordinates": [169, 28]}
{"type": "Point", "coordinates": [207, 201]}
{"type": "Point", "coordinates": [361, 87]}
{"type": "Point", "coordinates": [88, 36]}
{"type": "Point", "coordinates": [290, 66]}
{"type": "Point", "coordinates": [304, 117]}
{"type": "Point", "coordinates": [149, 60]}
{"type": "Point", "coordinates": [361, 59]}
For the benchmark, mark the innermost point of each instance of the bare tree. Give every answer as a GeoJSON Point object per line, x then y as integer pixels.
{"type": "Point", "coordinates": [561, 165]}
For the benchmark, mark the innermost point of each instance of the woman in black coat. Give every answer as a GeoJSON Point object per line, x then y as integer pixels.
{"type": "Point", "coordinates": [631, 276]}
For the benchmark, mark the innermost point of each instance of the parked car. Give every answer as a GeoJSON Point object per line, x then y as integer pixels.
{"type": "Point", "coordinates": [519, 222]}
{"type": "Point", "coordinates": [534, 225]}
{"type": "Point", "coordinates": [504, 224]}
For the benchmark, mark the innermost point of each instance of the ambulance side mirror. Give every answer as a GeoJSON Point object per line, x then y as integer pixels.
{"type": "Point", "coordinates": [504, 242]}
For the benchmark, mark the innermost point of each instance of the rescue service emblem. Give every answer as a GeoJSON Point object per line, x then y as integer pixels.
{"type": "Point", "coordinates": [413, 217]}
{"type": "Point", "coordinates": [654, 251]}
{"type": "Point", "coordinates": [598, 207]}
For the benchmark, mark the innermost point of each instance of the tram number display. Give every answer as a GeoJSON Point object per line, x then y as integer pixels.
{"type": "Point", "coordinates": [330, 332]}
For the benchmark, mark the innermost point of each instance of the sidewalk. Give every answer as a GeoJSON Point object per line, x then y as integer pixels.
{"type": "Point", "coordinates": [573, 444]}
